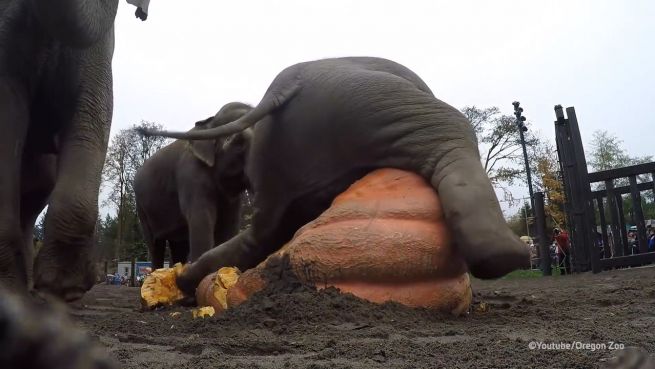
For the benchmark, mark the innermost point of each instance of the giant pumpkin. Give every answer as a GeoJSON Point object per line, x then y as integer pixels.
{"type": "Point", "coordinates": [383, 239]}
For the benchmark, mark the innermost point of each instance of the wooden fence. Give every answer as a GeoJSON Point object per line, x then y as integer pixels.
{"type": "Point", "coordinates": [610, 247]}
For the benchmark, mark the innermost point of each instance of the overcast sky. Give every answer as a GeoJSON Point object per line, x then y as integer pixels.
{"type": "Point", "coordinates": [190, 58]}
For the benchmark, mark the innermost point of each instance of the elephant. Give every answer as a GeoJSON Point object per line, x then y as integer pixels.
{"type": "Point", "coordinates": [39, 333]}
{"type": "Point", "coordinates": [188, 193]}
{"type": "Point", "coordinates": [322, 125]}
{"type": "Point", "coordinates": [55, 114]}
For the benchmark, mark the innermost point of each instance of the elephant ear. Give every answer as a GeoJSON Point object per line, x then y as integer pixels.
{"type": "Point", "coordinates": [235, 149]}
{"type": "Point", "coordinates": [204, 150]}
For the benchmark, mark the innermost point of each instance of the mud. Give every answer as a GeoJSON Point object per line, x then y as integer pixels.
{"type": "Point", "coordinates": [293, 326]}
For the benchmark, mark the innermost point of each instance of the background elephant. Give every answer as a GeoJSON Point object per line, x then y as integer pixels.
{"type": "Point", "coordinates": [55, 115]}
{"type": "Point", "coordinates": [188, 193]}
{"type": "Point", "coordinates": [324, 124]}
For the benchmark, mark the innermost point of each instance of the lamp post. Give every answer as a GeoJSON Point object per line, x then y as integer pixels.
{"type": "Point", "coordinates": [518, 111]}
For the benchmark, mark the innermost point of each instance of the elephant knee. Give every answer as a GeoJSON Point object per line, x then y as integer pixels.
{"type": "Point", "coordinates": [71, 220]}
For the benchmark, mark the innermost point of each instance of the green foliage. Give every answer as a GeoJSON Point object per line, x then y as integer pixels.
{"type": "Point", "coordinates": [544, 165]}
{"type": "Point", "coordinates": [523, 274]}
{"type": "Point", "coordinates": [517, 221]}
{"type": "Point", "coordinates": [606, 153]}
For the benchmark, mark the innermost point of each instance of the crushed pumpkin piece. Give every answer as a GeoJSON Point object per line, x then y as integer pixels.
{"type": "Point", "coordinates": [159, 288]}
{"type": "Point", "coordinates": [203, 312]}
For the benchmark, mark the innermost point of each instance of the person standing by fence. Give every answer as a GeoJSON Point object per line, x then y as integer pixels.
{"type": "Point", "coordinates": [561, 237]}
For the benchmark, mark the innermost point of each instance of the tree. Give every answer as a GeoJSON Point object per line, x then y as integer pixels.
{"type": "Point", "coordinates": [606, 153]}
{"type": "Point", "coordinates": [544, 163]}
{"type": "Point", "coordinates": [116, 174]}
{"type": "Point", "coordinates": [500, 145]}
{"type": "Point", "coordinates": [106, 230]}
{"type": "Point", "coordinates": [126, 154]}
{"type": "Point", "coordinates": [519, 222]}
{"type": "Point", "coordinates": [145, 146]}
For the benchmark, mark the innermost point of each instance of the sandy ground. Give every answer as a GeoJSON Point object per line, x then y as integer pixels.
{"type": "Point", "coordinates": [302, 328]}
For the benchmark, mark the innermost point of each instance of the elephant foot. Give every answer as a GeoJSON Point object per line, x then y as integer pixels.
{"type": "Point", "coordinates": [13, 283]}
{"type": "Point", "coordinates": [493, 259]}
{"type": "Point", "coordinates": [68, 281]}
{"type": "Point", "coordinates": [190, 278]}
{"type": "Point", "coordinates": [40, 335]}
{"type": "Point", "coordinates": [13, 278]}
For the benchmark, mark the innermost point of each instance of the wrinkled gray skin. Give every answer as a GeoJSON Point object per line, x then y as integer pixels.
{"type": "Point", "coordinates": [322, 125]}
{"type": "Point", "coordinates": [188, 193]}
{"type": "Point", "coordinates": [55, 115]}
{"type": "Point", "coordinates": [42, 336]}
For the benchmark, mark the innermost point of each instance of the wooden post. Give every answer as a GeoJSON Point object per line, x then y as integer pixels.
{"type": "Point", "coordinates": [133, 276]}
{"type": "Point", "coordinates": [585, 207]}
{"type": "Point", "coordinates": [578, 192]}
{"type": "Point", "coordinates": [622, 228]}
{"type": "Point", "coordinates": [540, 219]}
{"type": "Point", "coordinates": [638, 215]}
{"type": "Point", "coordinates": [603, 227]}
{"type": "Point", "coordinates": [615, 226]}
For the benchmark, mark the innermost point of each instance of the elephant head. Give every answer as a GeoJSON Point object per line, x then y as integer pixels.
{"type": "Point", "coordinates": [227, 155]}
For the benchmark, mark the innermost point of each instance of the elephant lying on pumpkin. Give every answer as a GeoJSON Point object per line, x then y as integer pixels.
{"type": "Point", "coordinates": [324, 124]}
{"type": "Point", "coordinates": [188, 193]}
{"type": "Point", "coordinates": [55, 113]}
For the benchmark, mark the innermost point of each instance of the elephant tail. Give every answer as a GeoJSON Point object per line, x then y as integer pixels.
{"type": "Point", "coordinates": [271, 101]}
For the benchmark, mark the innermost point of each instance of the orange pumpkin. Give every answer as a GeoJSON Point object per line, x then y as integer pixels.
{"type": "Point", "coordinates": [383, 239]}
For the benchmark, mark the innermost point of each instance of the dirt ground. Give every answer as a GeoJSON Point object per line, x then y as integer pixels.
{"type": "Point", "coordinates": [302, 328]}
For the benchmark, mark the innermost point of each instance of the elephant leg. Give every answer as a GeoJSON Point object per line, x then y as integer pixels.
{"type": "Point", "coordinates": [156, 247]}
{"type": "Point", "coordinates": [274, 223]}
{"type": "Point", "coordinates": [201, 221]}
{"type": "Point", "coordinates": [227, 222]}
{"type": "Point", "coordinates": [38, 178]}
{"type": "Point", "coordinates": [179, 251]}
{"type": "Point", "coordinates": [473, 213]}
{"type": "Point", "coordinates": [64, 266]}
{"type": "Point", "coordinates": [14, 119]}
{"type": "Point", "coordinates": [157, 250]}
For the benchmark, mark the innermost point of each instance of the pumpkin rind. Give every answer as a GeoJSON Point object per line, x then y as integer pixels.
{"type": "Point", "coordinates": [383, 239]}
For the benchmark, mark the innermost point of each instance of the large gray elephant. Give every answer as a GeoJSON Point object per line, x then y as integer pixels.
{"type": "Point", "coordinates": [188, 193]}
{"type": "Point", "coordinates": [55, 115]}
{"type": "Point", "coordinates": [322, 125]}
{"type": "Point", "coordinates": [40, 335]}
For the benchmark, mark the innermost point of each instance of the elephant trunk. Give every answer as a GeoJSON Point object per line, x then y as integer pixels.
{"type": "Point", "coordinates": [473, 213]}
{"type": "Point", "coordinates": [76, 23]}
